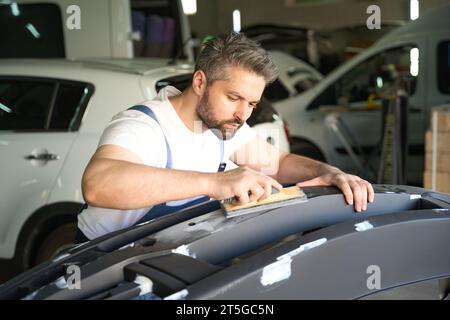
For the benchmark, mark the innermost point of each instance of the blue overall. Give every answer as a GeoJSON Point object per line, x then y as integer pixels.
{"type": "Point", "coordinates": [164, 209]}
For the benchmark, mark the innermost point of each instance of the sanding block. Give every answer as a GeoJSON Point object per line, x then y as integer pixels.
{"type": "Point", "coordinates": [285, 197]}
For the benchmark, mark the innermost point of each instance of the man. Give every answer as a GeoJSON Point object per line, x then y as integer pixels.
{"type": "Point", "coordinates": [150, 163]}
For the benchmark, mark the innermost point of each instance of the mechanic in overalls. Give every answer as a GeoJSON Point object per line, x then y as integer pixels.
{"type": "Point", "coordinates": [169, 153]}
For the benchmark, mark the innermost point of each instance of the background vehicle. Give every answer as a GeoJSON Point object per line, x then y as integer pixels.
{"type": "Point", "coordinates": [52, 114]}
{"type": "Point", "coordinates": [318, 249]}
{"type": "Point", "coordinates": [101, 28]}
{"type": "Point", "coordinates": [411, 49]}
{"type": "Point", "coordinates": [295, 77]}
{"type": "Point", "coordinates": [324, 49]}
{"type": "Point", "coordinates": [292, 40]}
{"type": "Point", "coordinates": [346, 42]}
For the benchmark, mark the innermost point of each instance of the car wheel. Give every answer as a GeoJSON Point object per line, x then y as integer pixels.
{"type": "Point", "coordinates": [306, 149]}
{"type": "Point", "coordinates": [61, 238]}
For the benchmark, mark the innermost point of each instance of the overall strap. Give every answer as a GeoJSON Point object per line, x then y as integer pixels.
{"type": "Point", "coordinates": [152, 115]}
{"type": "Point", "coordinates": [164, 209]}
{"type": "Point", "coordinates": [222, 164]}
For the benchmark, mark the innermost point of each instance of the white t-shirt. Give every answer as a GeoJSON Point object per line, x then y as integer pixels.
{"type": "Point", "coordinates": [139, 133]}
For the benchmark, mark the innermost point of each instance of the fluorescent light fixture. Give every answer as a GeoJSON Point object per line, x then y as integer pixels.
{"type": "Point", "coordinates": [15, 9]}
{"type": "Point", "coordinates": [33, 30]}
{"type": "Point", "coordinates": [237, 21]}
{"type": "Point", "coordinates": [189, 6]}
{"type": "Point", "coordinates": [414, 58]}
{"type": "Point", "coordinates": [5, 108]}
{"type": "Point", "coordinates": [379, 82]}
{"type": "Point", "coordinates": [414, 9]}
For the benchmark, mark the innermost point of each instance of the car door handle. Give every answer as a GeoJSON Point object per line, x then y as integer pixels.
{"type": "Point", "coordinates": [42, 157]}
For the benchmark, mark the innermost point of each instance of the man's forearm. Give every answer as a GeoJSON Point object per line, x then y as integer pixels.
{"type": "Point", "coordinates": [123, 185]}
{"type": "Point", "coordinates": [294, 168]}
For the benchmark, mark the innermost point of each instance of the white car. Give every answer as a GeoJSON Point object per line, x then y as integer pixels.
{"type": "Point", "coordinates": [296, 80]}
{"type": "Point", "coordinates": [296, 75]}
{"type": "Point", "coordinates": [420, 48]}
{"type": "Point", "coordinates": [52, 113]}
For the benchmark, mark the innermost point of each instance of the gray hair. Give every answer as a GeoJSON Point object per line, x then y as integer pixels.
{"type": "Point", "coordinates": [235, 50]}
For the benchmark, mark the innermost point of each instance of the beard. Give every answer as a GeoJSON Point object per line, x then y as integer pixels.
{"type": "Point", "coordinates": [205, 113]}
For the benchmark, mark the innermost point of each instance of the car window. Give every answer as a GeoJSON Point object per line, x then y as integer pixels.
{"type": "Point", "coordinates": [24, 104]}
{"type": "Point", "coordinates": [305, 84]}
{"type": "Point", "coordinates": [42, 104]}
{"type": "Point", "coordinates": [179, 82]}
{"type": "Point", "coordinates": [31, 30]}
{"type": "Point", "coordinates": [376, 74]}
{"type": "Point", "coordinates": [443, 65]}
{"type": "Point", "coordinates": [276, 91]}
{"type": "Point", "coordinates": [264, 112]}
{"type": "Point", "coordinates": [69, 106]}
{"type": "Point", "coordinates": [372, 76]}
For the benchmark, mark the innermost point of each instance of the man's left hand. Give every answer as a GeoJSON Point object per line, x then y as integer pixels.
{"type": "Point", "coordinates": [356, 190]}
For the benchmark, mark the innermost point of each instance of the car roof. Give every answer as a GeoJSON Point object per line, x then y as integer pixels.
{"type": "Point", "coordinates": [140, 66]}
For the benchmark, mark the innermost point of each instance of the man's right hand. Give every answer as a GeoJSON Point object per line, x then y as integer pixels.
{"type": "Point", "coordinates": [243, 183]}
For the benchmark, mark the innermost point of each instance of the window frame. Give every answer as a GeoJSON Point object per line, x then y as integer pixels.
{"type": "Point", "coordinates": [57, 83]}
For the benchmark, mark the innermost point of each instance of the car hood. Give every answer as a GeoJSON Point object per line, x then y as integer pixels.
{"type": "Point", "coordinates": [184, 252]}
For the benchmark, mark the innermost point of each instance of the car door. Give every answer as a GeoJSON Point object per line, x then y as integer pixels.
{"type": "Point", "coordinates": [38, 121]}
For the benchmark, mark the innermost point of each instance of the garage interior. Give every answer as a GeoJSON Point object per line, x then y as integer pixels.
{"type": "Point", "coordinates": [363, 86]}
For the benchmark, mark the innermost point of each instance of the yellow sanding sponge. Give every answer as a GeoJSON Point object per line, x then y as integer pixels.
{"type": "Point", "coordinates": [286, 196]}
